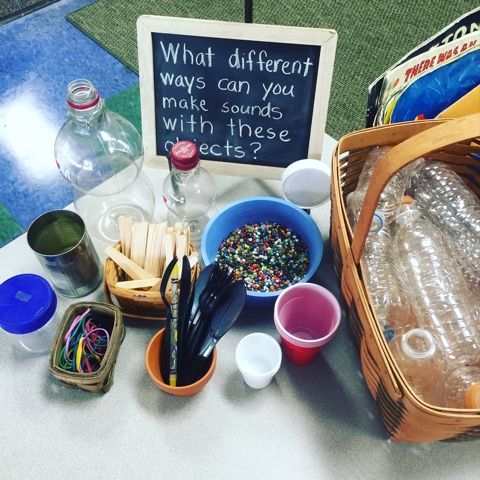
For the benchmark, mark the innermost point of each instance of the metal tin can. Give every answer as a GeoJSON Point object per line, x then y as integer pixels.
{"type": "Point", "coordinates": [64, 249]}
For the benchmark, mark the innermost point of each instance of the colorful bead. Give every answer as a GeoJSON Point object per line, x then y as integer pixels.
{"type": "Point", "coordinates": [267, 256]}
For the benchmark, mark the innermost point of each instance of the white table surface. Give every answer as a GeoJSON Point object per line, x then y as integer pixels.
{"type": "Point", "coordinates": [313, 422]}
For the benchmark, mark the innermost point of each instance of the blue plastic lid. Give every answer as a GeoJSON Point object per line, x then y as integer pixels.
{"type": "Point", "coordinates": [27, 303]}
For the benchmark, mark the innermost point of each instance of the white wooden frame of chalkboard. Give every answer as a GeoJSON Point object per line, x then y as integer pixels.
{"type": "Point", "coordinates": [326, 39]}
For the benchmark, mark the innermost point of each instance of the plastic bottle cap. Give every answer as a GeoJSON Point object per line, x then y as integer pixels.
{"type": "Point", "coordinates": [27, 303]}
{"type": "Point", "coordinates": [378, 222]}
{"type": "Point", "coordinates": [472, 397]}
{"type": "Point", "coordinates": [184, 155]}
{"type": "Point", "coordinates": [418, 343]}
{"type": "Point", "coordinates": [306, 183]}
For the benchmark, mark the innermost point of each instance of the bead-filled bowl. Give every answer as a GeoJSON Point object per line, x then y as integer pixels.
{"type": "Point", "coordinates": [262, 210]}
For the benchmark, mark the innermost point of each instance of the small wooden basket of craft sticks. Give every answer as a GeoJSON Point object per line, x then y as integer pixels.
{"type": "Point", "coordinates": [135, 265]}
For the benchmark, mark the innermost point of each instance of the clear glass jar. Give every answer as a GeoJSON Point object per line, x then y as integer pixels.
{"type": "Point", "coordinates": [189, 190]}
{"type": "Point", "coordinates": [101, 154]}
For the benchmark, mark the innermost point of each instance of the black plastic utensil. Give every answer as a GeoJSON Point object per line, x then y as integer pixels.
{"type": "Point", "coordinates": [198, 335]}
{"type": "Point", "coordinates": [217, 284]}
{"type": "Point", "coordinates": [212, 329]}
{"type": "Point", "coordinates": [224, 316]}
{"type": "Point", "coordinates": [198, 288]}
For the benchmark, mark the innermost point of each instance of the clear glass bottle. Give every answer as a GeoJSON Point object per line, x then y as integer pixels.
{"type": "Point", "coordinates": [436, 289]}
{"type": "Point", "coordinates": [422, 363]}
{"type": "Point", "coordinates": [189, 190]}
{"type": "Point", "coordinates": [101, 154]}
{"type": "Point", "coordinates": [462, 388]}
{"type": "Point", "coordinates": [445, 199]}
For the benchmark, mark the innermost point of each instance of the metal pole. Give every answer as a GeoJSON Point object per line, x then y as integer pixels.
{"type": "Point", "coordinates": [248, 11]}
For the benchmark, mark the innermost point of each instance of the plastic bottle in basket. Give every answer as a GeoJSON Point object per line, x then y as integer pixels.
{"type": "Point", "coordinates": [444, 198]}
{"type": "Point", "coordinates": [436, 289]}
{"type": "Point", "coordinates": [462, 388]}
{"type": "Point", "coordinates": [386, 295]}
{"type": "Point", "coordinates": [391, 196]}
{"type": "Point", "coordinates": [422, 363]}
{"type": "Point", "coordinates": [385, 290]}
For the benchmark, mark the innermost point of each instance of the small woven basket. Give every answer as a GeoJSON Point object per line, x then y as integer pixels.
{"type": "Point", "coordinates": [406, 417]}
{"type": "Point", "coordinates": [139, 303]}
{"type": "Point", "coordinates": [102, 379]}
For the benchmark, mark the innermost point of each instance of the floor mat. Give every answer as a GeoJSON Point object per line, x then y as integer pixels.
{"type": "Point", "coordinates": [127, 104]}
{"type": "Point", "coordinates": [12, 9]}
{"type": "Point", "coordinates": [372, 35]}
{"type": "Point", "coordinates": [9, 228]}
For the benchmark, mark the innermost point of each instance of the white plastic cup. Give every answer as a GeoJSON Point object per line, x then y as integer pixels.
{"type": "Point", "coordinates": [258, 357]}
{"type": "Point", "coordinates": [306, 183]}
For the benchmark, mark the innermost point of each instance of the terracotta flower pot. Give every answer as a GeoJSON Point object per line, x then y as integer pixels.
{"type": "Point", "coordinates": [152, 362]}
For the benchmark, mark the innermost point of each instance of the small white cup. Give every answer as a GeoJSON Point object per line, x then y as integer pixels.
{"type": "Point", "coordinates": [258, 357]}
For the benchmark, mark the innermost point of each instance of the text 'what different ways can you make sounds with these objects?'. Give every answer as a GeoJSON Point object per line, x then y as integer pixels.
{"type": "Point", "coordinates": [198, 111]}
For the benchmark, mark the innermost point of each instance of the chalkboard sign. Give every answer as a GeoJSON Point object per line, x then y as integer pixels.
{"type": "Point", "coordinates": [253, 97]}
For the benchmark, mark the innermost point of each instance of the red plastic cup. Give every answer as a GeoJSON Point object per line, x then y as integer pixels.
{"type": "Point", "coordinates": [307, 317]}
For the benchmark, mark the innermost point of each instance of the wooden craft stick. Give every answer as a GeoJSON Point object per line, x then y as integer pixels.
{"type": "Point", "coordinates": [169, 250]}
{"type": "Point", "coordinates": [156, 260]}
{"type": "Point", "coordinates": [139, 243]}
{"type": "Point", "coordinates": [127, 265]}
{"type": "Point", "coordinates": [133, 284]}
{"type": "Point", "coordinates": [150, 264]}
{"type": "Point", "coordinates": [186, 232]}
{"type": "Point", "coordinates": [181, 248]}
{"type": "Point", "coordinates": [161, 247]}
{"type": "Point", "coordinates": [128, 236]}
{"type": "Point", "coordinates": [121, 229]}
{"type": "Point", "coordinates": [193, 259]}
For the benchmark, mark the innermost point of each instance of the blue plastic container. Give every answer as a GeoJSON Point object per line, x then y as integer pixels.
{"type": "Point", "coordinates": [28, 307]}
{"type": "Point", "coordinates": [261, 209]}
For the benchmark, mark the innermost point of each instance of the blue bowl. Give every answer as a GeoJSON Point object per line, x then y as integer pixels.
{"type": "Point", "coordinates": [261, 209]}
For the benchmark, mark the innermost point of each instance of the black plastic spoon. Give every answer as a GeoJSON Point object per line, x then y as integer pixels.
{"type": "Point", "coordinates": [224, 316]}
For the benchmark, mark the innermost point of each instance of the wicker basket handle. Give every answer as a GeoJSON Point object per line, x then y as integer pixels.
{"type": "Point", "coordinates": [435, 138]}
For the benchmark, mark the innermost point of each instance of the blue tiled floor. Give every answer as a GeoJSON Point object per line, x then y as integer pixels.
{"type": "Point", "coordinates": [40, 53]}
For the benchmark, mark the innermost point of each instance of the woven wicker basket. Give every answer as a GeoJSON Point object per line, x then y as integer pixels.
{"type": "Point", "coordinates": [140, 303]}
{"type": "Point", "coordinates": [102, 379]}
{"type": "Point", "coordinates": [406, 417]}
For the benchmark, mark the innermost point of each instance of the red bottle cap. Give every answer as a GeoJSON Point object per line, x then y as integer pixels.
{"type": "Point", "coordinates": [184, 155]}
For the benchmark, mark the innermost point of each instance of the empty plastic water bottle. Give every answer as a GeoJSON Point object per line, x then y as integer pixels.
{"type": "Point", "coordinates": [436, 289]}
{"type": "Point", "coordinates": [189, 190]}
{"type": "Point", "coordinates": [421, 362]}
{"type": "Point", "coordinates": [380, 276]}
{"type": "Point", "coordinates": [445, 199]}
{"type": "Point", "coordinates": [101, 154]}
{"type": "Point", "coordinates": [462, 388]}
{"type": "Point", "coordinates": [391, 197]}
{"type": "Point", "coordinates": [385, 290]}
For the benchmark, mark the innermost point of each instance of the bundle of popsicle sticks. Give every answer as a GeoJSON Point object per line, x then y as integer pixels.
{"type": "Point", "coordinates": [146, 249]}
